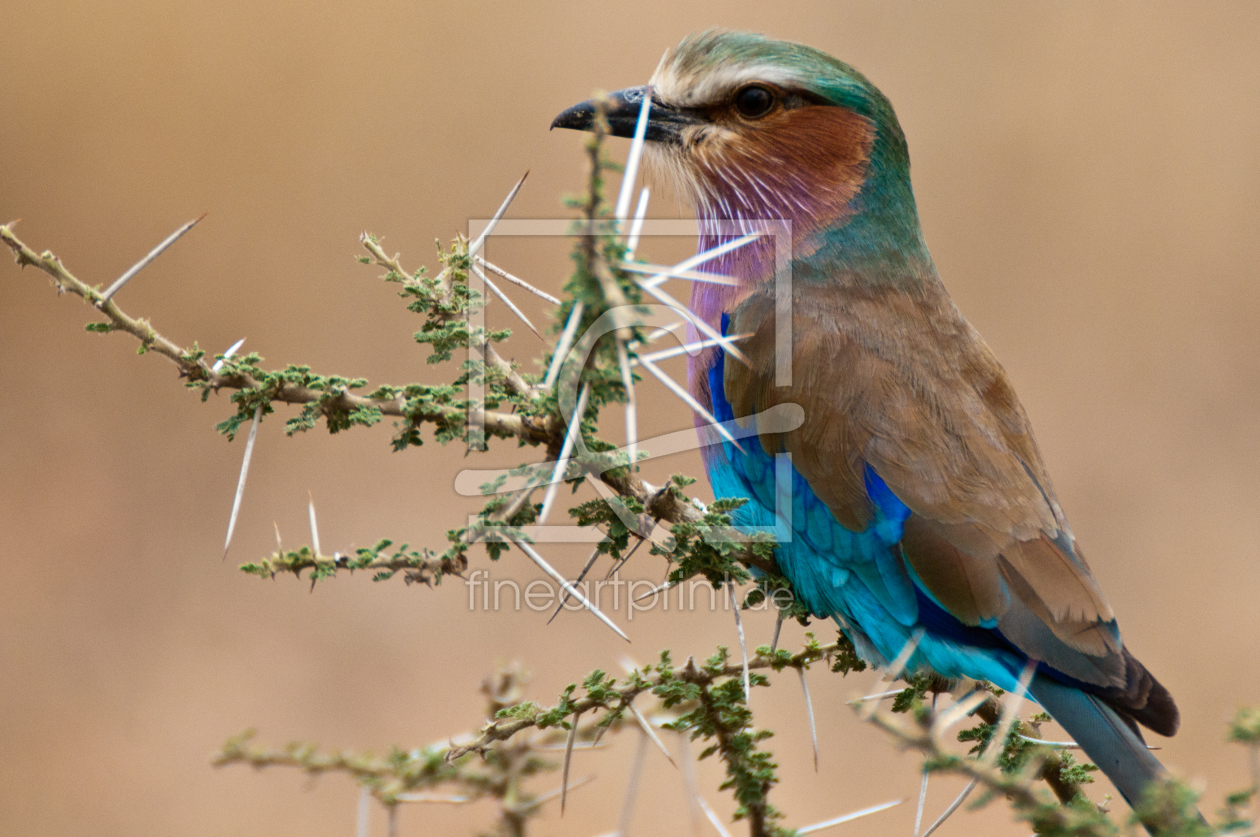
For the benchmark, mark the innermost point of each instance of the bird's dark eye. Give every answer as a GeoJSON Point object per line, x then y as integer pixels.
{"type": "Point", "coordinates": [754, 102]}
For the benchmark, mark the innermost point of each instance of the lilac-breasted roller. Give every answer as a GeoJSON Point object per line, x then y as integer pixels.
{"type": "Point", "coordinates": [920, 502]}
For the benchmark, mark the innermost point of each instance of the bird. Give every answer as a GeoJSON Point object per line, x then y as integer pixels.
{"type": "Point", "coordinates": [922, 515]}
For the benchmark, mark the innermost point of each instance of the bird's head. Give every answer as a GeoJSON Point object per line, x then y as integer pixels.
{"type": "Point", "coordinates": [746, 127]}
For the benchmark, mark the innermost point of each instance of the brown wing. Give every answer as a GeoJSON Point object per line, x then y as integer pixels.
{"type": "Point", "coordinates": [903, 384]}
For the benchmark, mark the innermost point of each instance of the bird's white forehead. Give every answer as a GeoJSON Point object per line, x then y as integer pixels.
{"type": "Point", "coordinates": [696, 87]}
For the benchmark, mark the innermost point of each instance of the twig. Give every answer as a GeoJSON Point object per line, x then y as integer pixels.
{"type": "Point", "coordinates": [502, 729]}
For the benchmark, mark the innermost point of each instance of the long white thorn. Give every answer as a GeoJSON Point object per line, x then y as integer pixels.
{"type": "Point", "coordinates": [865, 812]}
{"type": "Point", "coordinates": [568, 761]}
{"type": "Point", "coordinates": [876, 696]}
{"type": "Point", "coordinates": [632, 408]}
{"type": "Point", "coordinates": [475, 247]}
{"type": "Point", "coordinates": [363, 820]}
{"type": "Point", "coordinates": [779, 625]}
{"type": "Point", "coordinates": [918, 815]}
{"type": "Point", "coordinates": [507, 301]}
{"type": "Point", "coordinates": [907, 651]}
{"type": "Point", "coordinates": [687, 399]}
{"type": "Point", "coordinates": [702, 257]}
{"type": "Point", "coordinates": [1010, 712]}
{"type": "Point", "coordinates": [552, 794]}
{"type": "Point", "coordinates": [632, 159]}
{"type": "Point", "coordinates": [689, 781]}
{"type": "Point", "coordinates": [613, 569]}
{"type": "Point", "coordinates": [314, 527]}
{"type": "Point", "coordinates": [674, 273]}
{"type": "Point", "coordinates": [706, 329]}
{"type": "Point", "coordinates": [743, 646]}
{"type": "Point", "coordinates": [240, 482]}
{"type": "Point", "coordinates": [713, 818]}
{"type": "Point", "coordinates": [809, 712]}
{"type": "Point", "coordinates": [655, 591]}
{"type": "Point", "coordinates": [143, 263]}
{"type": "Point", "coordinates": [636, 226]}
{"type": "Point", "coordinates": [958, 711]}
{"type": "Point", "coordinates": [562, 462]}
{"type": "Point", "coordinates": [569, 588]}
{"type": "Point", "coordinates": [692, 348]}
{"type": "Point", "coordinates": [651, 733]}
{"type": "Point", "coordinates": [658, 333]}
{"type": "Point", "coordinates": [516, 280]}
{"type": "Point", "coordinates": [439, 798]}
{"type": "Point", "coordinates": [953, 806]}
{"type": "Point", "coordinates": [632, 787]}
{"type": "Point", "coordinates": [1062, 745]}
{"type": "Point", "coordinates": [894, 669]}
{"type": "Point", "coordinates": [923, 787]}
{"type": "Point", "coordinates": [562, 347]}
{"type": "Point", "coordinates": [590, 562]}
{"type": "Point", "coordinates": [576, 747]}
{"type": "Point", "coordinates": [218, 364]}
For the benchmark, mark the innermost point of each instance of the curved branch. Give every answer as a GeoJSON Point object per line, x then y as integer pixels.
{"type": "Point", "coordinates": [192, 366]}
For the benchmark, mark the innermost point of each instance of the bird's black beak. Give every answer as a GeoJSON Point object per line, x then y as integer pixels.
{"type": "Point", "coordinates": [665, 123]}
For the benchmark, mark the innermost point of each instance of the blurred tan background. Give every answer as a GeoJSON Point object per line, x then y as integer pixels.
{"type": "Point", "coordinates": [1089, 181]}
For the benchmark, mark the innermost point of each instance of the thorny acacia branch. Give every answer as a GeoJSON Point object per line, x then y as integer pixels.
{"type": "Point", "coordinates": [709, 699]}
